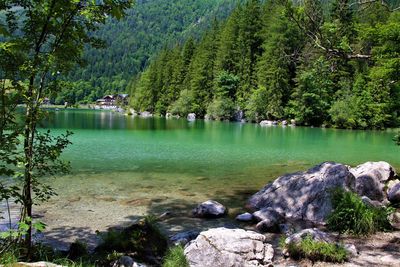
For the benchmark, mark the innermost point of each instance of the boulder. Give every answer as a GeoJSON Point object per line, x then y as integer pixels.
{"type": "Point", "coordinates": [372, 203]}
{"type": "Point", "coordinates": [209, 209]}
{"type": "Point", "coordinates": [184, 237]}
{"type": "Point", "coordinates": [393, 193]}
{"type": "Point", "coordinates": [268, 219]}
{"type": "Point", "coordinates": [245, 217]}
{"type": "Point", "coordinates": [268, 123]}
{"type": "Point", "coordinates": [304, 195]}
{"type": "Point", "coordinates": [319, 236]}
{"type": "Point", "coordinates": [371, 178]}
{"type": "Point", "coordinates": [314, 233]}
{"type": "Point", "coordinates": [191, 117]}
{"type": "Point", "coordinates": [351, 250]}
{"type": "Point", "coordinates": [222, 247]}
{"type": "Point", "coordinates": [37, 264]}
{"type": "Point", "coordinates": [394, 219]}
{"type": "Point", "coordinates": [145, 114]}
{"type": "Point", "coordinates": [126, 261]}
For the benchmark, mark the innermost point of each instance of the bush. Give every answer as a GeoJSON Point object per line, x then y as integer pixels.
{"type": "Point", "coordinates": [175, 258]}
{"type": "Point", "coordinates": [221, 109]}
{"type": "Point", "coordinates": [317, 250]}
{"type": "Point", "coordinates": [351, 215]}
{"type": "Point", "coordinates": [143, 238]}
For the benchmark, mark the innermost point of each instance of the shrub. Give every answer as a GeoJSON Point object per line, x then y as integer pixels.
{"type": "Point", "coordinates": [317, 250]}
{"type": "Point", "coordinates": [221, 109]}
{"type": "Point", "coordinates": [143, 238]}
{"type": "Point", "coordinates": [351, 215]}
{"type": "Point", "coordinates": [175, 258]}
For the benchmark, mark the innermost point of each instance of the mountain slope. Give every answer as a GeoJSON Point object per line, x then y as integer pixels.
{"type": "Point", "coordinates": [131, 42]}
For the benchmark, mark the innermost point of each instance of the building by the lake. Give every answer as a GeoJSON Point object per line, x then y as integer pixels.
{"type": "Point", "coordinates": [113, 101]}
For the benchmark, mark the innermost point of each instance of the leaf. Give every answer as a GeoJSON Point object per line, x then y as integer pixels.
{"type": "Point", "coordinates": [39, 226]}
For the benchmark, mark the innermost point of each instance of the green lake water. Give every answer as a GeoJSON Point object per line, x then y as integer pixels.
{"type": "Point", "coordinates": [110, 142]}
{"type": "Point", "coordinates": [124, 166]}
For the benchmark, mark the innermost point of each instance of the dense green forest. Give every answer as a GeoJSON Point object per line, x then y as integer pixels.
{"type": "Point", "coordinates": [333, 63]}
{"type": "Point", "coordinates": [129, 43]}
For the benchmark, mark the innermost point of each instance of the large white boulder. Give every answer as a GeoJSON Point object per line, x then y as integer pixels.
{"type": "Point", "coordinates": [222, 247]}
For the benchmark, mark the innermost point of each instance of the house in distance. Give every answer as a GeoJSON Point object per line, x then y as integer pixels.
{"type": "Point", "coordinates": [112, 101]}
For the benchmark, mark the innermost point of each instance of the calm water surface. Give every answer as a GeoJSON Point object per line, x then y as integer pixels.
{"type": "Point", "coordinates": [110, 142]}
{"type": "Point", "coordinates": [124, 167]}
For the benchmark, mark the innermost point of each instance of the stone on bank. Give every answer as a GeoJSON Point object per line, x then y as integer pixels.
{"type": "Point", "coordinates": [222, 247]}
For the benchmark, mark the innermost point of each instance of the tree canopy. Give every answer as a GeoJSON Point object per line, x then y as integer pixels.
{"type": "Point", "coordinates": [333, 63]}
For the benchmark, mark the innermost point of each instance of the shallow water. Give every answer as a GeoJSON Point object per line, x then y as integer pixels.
{"type": "Point", "coordinates": [124, 167]}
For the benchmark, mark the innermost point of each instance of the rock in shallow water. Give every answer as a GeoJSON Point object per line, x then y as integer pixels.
{"type": "Point", "coordinates": [222, 247]}
{"type": "Point", "coordinates": [268, 219]}
{"type": "Point", "coordinates": [245, 217]}
{"type": "Point", "coordinates": [304, 195]}
{"type": "Point", "coordinates": [209, 209]}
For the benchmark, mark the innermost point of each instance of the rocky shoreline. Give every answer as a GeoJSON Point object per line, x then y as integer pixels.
{"type": "Point", "coordinates": [289, 209]}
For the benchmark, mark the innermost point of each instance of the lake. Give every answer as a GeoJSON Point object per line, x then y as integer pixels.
{"type": "Point", "coordinates": [125, 167]}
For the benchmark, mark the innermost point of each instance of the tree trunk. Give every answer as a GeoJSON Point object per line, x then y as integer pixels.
{"type": "Point", "coordinates": [29, 132]}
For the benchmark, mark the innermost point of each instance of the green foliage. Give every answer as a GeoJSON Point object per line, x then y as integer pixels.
{"type": "Point", "coordinates": [221, 109]}
{"type": "Point", "coordinates": [41, 40]}
{"type": "Point", "coordinates": [351, 215]}
{"type": "Point", "coordinates": [311, 99]}
{"type": "Point", "coordinates": [317, 250]}
{"type": "Point", "coordinates": [175, 257]}
{"type": "Point", "coordinates": [396, 139]}
{"type": "Point", "coordinates": [132, 42]}
{"type": "Point", "coordinates": [142, 238]}
{"type": "Point", "coordinates": [320, 62]}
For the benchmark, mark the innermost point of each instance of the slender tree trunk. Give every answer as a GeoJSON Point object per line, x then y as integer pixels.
{"type": "Point", "coordinates": [29, 132]}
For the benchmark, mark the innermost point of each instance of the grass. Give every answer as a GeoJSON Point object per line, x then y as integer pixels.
{"type": "Point", "coordinates": [175, 258]}
{"type": "Point", "coordinates": [316, 250]}
{"type": "Point", "coordinates": [351, 215]}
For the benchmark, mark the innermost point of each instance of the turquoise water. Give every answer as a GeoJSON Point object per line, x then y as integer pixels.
{"type": "Point", "coordinates": [109, 142]}
{"type": "Point", "coordinates": [125, 167]}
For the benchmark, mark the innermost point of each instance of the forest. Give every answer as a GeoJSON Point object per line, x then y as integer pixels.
{"type": "Point", "coordinates": [322, 63]}
{"type": "Point", "coordinates": [129, 44]}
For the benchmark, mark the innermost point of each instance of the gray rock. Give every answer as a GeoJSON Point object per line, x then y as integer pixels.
{"type": "Point", "coordinates": [37, 264]}
{"type": "Point", "coordinates": [394, 193]}
{"type": "Point", "coordinates": [286, 229]}
{"type": "Point", "coordinates": [145, 114]}
{"type": "Point", "coordinates": [314, 233]}
{"type": "Point", "coordinates": [222, 247]}
{"type": "Point", "coordinates": [394, 219]}
{"type": "Point", "coordinates": [184, 237]}
{"type": "Point", "coordinates": [371, 178]}
{"type": "Point", "coordinates": [245, 217]}
{"type": "Point", "coordinates": [126, 261]}
{"type": "Point", "coordinates": [268, 219]}
{"type": "Point", "coordinates": [209, 209]}
{"type": "Point", "coordinates": [351, 250]}
{"type": "Point", "coordinates": [372, 203]}
{"type": "Point", "coordinates": [304, 195]}
{"type": "Point", "coordinates": [191, 117]}
{"type": "Point", "coordinates": [268, 123]}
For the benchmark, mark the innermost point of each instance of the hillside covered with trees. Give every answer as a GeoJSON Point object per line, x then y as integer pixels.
{"type": "Point", "coordinates": [334, 63]}
{"type": "Point", "coordinates": [129, 43]}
